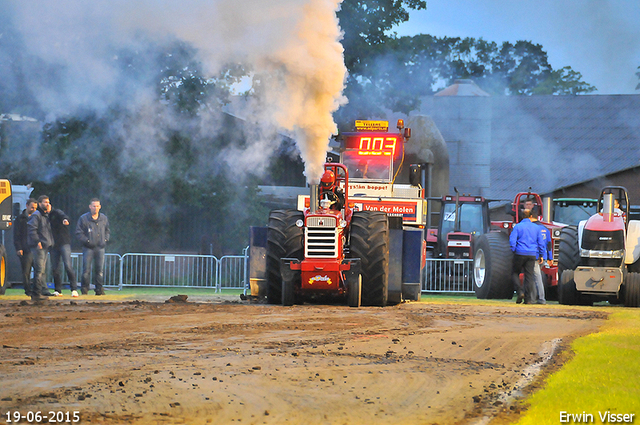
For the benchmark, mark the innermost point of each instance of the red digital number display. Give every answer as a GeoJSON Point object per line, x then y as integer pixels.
{"type": "Point", "coordinates": [383, 144]}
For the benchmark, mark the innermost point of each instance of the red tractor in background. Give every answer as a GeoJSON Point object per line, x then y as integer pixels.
{"type": "Point", "coordinates": [493, 258]}
{"type": "Point", "coordinates": [600, 258]}
{"type": "Point", "coordinates": [328, 249]}
{"type": "Point", "coordinates": [462, 219]}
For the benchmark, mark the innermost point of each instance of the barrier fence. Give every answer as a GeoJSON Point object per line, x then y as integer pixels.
{"type": "Point", "coordinates": [231, 272]}
{"type": "Point", "coordinates": [448, 275]}
{"type": "Point", "coordinates": [167, 270]}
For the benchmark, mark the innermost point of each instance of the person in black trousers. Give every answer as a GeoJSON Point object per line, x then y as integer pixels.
{"type": "Point", "coordinates": [61, 251]}
{"type": "Point", "coordinates": [21, 245]}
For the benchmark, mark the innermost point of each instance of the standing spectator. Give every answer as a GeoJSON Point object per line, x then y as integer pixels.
{"type": "Point", "coordinates": [93, 232]}
{"type": "Point", "coordinates": [548, 253]}
{"type": "Point", "coordinates": [22, 246]}
{"type": "Point", "coordinates": [40, 240]}
{"type": "Point", "coordinates": [61, 251]}
{"type": "Point", "coordinates": [528, 246]}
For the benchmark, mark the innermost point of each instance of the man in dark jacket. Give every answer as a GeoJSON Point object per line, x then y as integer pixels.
{"type": "Point", "coordinates": [22, 246]}
{"type": "Point", "coordinates": [93, 232]}
{"type": "Point", "coordinates": [40, 241]}
{"type": "Point", "coordinates": [61, 251]}
{"type": "Point", "coordinates": [527, 244]}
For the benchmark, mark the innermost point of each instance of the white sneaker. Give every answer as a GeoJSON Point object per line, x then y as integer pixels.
{"type": "Point", "coordinates": [74, 294]}
{"type": "Point", "coordinates": [57, 294]}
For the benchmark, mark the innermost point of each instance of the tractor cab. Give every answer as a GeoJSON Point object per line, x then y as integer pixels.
{"type": "Point", "coordinates": [462, 218]}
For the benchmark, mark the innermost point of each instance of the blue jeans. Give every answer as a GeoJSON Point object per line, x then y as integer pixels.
{"type": "Point", "coordinates": [39, 271]}
{"type": "Point", "coordinates": [62, 253]}
{"type": "Point", "coordinates": [95, 255]}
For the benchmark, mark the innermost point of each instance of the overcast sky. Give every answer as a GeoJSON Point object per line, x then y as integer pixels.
{"type": "Point", "coordinates": [598, 38]}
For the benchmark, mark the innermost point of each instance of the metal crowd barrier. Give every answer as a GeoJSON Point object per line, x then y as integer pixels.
{"type": "Point", "coordinates": [166, 270]}
{"type": "Point", "coordinates": [232, 271]}
{"type": "Point", "coordinates": [111, 270]}
{"type": "Point", "coordinates": [448, 275]}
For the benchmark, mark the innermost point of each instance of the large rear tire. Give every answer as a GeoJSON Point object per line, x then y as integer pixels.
{"type": "Point", "coordinates": [3, 270]}
{"type": "Point", "coordinates": [369, 241]}
{"type": "Point", "coordinates": [284, 240]}
{"type": "Point", "coordinates": [568, 250]}
{"type": "Point", "coordinates": [492, 266]}
{"type": "Point", "coordinates": [632, 290]}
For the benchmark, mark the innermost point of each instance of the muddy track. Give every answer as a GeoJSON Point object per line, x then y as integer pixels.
{"type": "Point", "coordinates": [224, 362]}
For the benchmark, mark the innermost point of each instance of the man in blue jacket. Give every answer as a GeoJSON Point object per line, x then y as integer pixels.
{"type": "Point", "coordinates": [528, 246]}
{"type": "Point", "coordinates": [93, 232]}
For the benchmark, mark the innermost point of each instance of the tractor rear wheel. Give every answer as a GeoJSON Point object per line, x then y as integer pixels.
{"type": "Point", "coordinates": [492, 266]}
{"type": "Point", "coordinates": [568, 251]}
{"type": "Point", "coordinates": [369, 241]}
{"type": "Point", "coordinates": [3, 270]}
{"type": "Point", "coordinates": [632, 290]}
{"type": "Point", "coordinates": [284, 240]}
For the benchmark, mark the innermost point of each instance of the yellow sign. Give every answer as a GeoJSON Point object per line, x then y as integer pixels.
{"type": "Point", "coordinates": [5, 189]}
{"type": "Point", "coordinates": [320, 279]}
{"type": "Point", "coordinates": [364, 125]}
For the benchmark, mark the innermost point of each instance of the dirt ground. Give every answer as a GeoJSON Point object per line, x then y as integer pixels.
{"type": "Point", "coordinates": [227, 361]}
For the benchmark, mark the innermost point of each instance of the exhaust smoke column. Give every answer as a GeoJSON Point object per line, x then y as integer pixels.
{"type": "Point", "coordinates": [313, 77]}
{"type": "Point", "coordinates": [292, 47]}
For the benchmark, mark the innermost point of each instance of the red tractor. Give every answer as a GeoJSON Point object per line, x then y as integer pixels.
{"type": "Point", "coordinates": [462, 219]}
{"type": "Point", "coordinates": [493, 258]}
{"type": "Point", "coordinates": [600, 257]}
{"type": "Point", "coordinates": [329, 248]}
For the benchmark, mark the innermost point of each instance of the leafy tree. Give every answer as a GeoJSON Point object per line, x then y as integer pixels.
{"type": "Point", "coordinates": [403, 69]}
{"type": "Point", "coordinates": [366, 25]}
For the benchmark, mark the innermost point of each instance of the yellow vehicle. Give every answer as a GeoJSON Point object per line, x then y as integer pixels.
{"type": "Point", "coordinates": [6, 208]}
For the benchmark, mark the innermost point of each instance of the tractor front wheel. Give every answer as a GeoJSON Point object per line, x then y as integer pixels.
{"type": "Point", "coordinates": [567, 292]}
{"type": "Point", "coordinates": [3, 270]}
{"type": "Point", "coordinates": [284, 240]}
{"type": "Point", "coordinates": [354, 292]}
{"type": "Point", "coordinates": [369, 241]}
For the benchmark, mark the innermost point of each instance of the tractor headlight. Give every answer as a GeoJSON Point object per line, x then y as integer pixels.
{"type": "Point", "coordinates": [556, 233]}
{"type": "Point", "coordinates": [343, 223]}
{"type": "Point", "coordinates": [299, 223]}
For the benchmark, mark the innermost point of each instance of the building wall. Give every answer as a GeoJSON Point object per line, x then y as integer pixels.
{"type": "Point", "coordinates": [465, 124]}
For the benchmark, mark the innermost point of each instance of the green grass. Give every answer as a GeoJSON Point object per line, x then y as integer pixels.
{"type": "Point", "coordinates": [603, 375]}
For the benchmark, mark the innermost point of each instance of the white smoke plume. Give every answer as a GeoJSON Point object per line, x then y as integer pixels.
{"type": "Point", "coordinates": [294, 42]}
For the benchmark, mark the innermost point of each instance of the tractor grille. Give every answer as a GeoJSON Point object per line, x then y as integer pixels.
{"type": "Point", "coordinates": [556, 250]}
{"type": "Point", "coordinates": [320, 242]}
{"type": "Point", "coordinates": [321, 222]}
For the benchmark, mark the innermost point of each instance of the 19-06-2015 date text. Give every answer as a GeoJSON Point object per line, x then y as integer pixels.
{"type": "Point", "coordinates": [49, 417]}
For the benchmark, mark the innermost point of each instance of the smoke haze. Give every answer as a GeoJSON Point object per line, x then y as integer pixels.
{"type": "Point", "coordinates": [73, 48]}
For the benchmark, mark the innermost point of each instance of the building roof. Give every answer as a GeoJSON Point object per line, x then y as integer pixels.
{"type": "Point", "coordinates": [550, 142]}
{"type": "Point", "coordinates": [462, 87]}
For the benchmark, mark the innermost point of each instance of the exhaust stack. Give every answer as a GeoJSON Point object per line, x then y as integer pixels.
{"type": "Point", "coordinates": [313, 199]}
{"type": "Point", "coordinates": [547, 209]}
{"type": "Point", "coordinates": [607, 207]}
